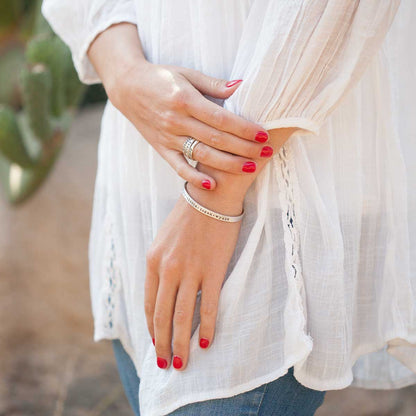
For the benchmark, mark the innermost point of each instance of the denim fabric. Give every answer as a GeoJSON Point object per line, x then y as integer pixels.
{"type": "Point", "coordinates": [283, 397]}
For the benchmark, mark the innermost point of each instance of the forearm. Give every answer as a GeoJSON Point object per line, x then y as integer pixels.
{"type": "Point", "coordinates": [231, 189]}
{"type": "Point", "coordinates": [114, 52]}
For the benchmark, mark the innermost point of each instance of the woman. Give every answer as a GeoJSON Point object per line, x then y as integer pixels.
{"type": "Point", "coordinates": [314, 288]}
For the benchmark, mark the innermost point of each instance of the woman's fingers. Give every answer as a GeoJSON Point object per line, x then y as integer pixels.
{"type": "Point", "coordinates": [214, 87]}
{"type": "Point", "coordinates": [215, 115]}
{"type": "Point", "coordinates": [222, 160]}
{"type": "Point", "coordinates": [222, 140]}
{"type": "Point", "coordinates": [208, 311]}
{"type": "Point", "coordinates": [221, 119]}
{"type": "Point", "coordinates": [186, 171]}
{"type": "Point", "coordinates": [182, 321]}
{"type": "Point", "coordinates": [162, 319]}
{"type": "Point", "coordinates": [151, 285]}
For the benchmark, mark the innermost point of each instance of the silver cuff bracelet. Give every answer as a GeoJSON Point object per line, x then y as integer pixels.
{"type": "Point", "coordinates": [206, 211]}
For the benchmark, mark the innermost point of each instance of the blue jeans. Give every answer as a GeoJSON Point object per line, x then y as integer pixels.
{"type": "Point", "coordinates": [284, 396]}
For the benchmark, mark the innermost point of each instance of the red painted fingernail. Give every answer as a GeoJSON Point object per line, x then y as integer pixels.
{"type": "Point", "coordinates": [249, 167]}
{"type": "Point", "coordinates": [177, 361]}
{"type": "Point", "coordinates": [261, 136]}
{"type": "Point", "coordinates": [153, 340]}
{"type": "Point", "coordinates": [203, 343]}
{"type": "Point", "coordinates": [267, 151]}
{"type": "Point", "coordinates": [206, 184]}
{"type": "Point", "coordinates": [161, 362]}
{"type": "Point", "coordinates": [232, 83]}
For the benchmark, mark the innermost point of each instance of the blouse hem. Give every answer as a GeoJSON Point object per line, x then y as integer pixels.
{"type": "Point", "coordinates": [307, 381]}
{"type": "Point", "coordinates": [377, 385]}
{"type": "Point", "coordinates": [349, 380]}
{"type": "Point", "coordinates": [230, 392]}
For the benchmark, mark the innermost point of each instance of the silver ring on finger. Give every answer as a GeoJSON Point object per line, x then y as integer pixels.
{"type": "Point", "coordinates": [188, 147]}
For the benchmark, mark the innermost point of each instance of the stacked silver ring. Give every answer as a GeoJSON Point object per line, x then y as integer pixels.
{"type": "Point", "coordinates": [189, 146]}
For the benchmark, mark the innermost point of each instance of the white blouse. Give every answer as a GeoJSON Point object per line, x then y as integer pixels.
{"type": "Point", "coordinates": [323, 277]}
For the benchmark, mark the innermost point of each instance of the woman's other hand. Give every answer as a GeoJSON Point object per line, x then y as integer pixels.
{"type": "Point", "coordinates": [166, 104]}
{"type": "Point", "coordinates": [191, 252]}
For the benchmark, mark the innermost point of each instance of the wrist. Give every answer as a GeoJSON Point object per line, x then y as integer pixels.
{"type": "Point", "coordinates": [233, 187]}
{"type": "Point", "coordinates": [217, 200]}
{"type": "Point", "coordinates": [114, 53]}
{"type": "Point", "coordinates": [230, 188]}
{"type": "Point", "coordinates": [230, 191]}
{"type": "Point", "coordinates": [119, 84]}
{"type": "Point", "coordinates": [221, 216]}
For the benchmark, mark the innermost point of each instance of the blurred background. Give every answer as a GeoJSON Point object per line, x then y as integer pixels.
{"type": "Point", "coordinates": [49, 131]}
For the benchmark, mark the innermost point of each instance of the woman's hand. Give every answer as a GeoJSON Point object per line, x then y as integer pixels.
{"type": "Point", "coordinates": [191, 252]}
{"type": "Point", "coordinates": [166, 104]}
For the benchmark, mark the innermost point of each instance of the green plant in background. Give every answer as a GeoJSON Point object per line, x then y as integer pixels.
{"type": "Point", "coordinates": [39, 91]}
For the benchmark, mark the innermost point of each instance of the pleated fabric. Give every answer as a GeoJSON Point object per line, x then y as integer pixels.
{"type": "Point", "coordinates": [323, 277]}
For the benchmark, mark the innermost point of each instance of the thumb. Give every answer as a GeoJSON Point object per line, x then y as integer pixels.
{"type": "Point", "coordinates": [214, 87]}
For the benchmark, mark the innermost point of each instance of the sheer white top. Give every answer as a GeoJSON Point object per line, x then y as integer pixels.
{"type": "Point", "coordinates": [324, 273]}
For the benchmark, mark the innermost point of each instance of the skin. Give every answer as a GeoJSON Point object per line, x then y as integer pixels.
{"type": "Point", "coordinates": [166, 104]}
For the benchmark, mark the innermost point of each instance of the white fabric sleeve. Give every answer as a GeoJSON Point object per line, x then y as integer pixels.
{"type": "Point", "coordinates": [298, 58]}
{"type": "Point", "coordinates": [78, 22]}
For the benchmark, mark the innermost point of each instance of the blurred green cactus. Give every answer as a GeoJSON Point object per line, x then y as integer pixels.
{"type": "Point", "coordinates": [39, 91]}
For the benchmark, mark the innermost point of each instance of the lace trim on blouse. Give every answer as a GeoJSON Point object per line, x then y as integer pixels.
{"type": "Point", "coordinates": [287, 179]}
{"type": "Point", "coordinates": [112, 277]}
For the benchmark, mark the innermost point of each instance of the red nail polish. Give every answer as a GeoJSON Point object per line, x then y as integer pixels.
{"type": "Point", "coordinates": [161, 362]}
{"type": "Point", "coordinates": [206, 184]}
{"type": "Point", "coordinates": [153, 340]}
{"type": "Point", "coordinates": [203, 343]}
{"type": "Point", "coordinates": [261, 136]}
{"type": "Point", "coordinates": [230, 84]}
{"type": "Point", "coordinates": [249, 167]}
{"type": "Point", "coordinates": [267, 151]}
{"type": "Point", "coordinates": [177, 361]}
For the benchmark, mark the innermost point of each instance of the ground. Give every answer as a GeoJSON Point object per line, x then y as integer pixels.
{"type": "Point", "coordinates": [49, 363]}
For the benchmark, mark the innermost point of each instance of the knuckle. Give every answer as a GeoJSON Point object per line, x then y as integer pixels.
{"type": "Point", "coordinates": [218, 118]}
{"type": "Point", "coordinates": [181, 169]}
{"type": "Point", "coordinates": [180, 69]}
{"type": "Point", "coordinates": [244, 128]}
{"type": "Point", "coordinates": [180, 316]}
{"type": "Point", "coordinates": [232, 164]}
{"type": "Point", "coordinates": [152, 258]}
{"type": "Point", "coordinates": [180, 346]}
{"type": "Point", "coordinates": [196, 181]}
{"type": "Point", "coordinates": [246, 132]}
{"type": "Point", "coordinates": [216, 83]}
{"type": "Point", "coordinates": [215, 140]}
{"type": "Point", "coordinates": [179, 99]}
{"type": "Point", "coordinates": [171, 265]}
{"type": "Point", "coordinates": [159, 319]}
{"type": "Point", "coordinates": [200, 152]}
{"type": "Point", "coordinates": [149, 308]}
{"type": "Point", "coordinates": [254, 152]}
{"type": "Point", "coordinates": [162, 350]}
{"type": "Point", "coordinates": [170, 141]}
{"type": "Point", "coordinates": [208, 309]}
{"type": "Point", "coordinates": [170, 120]}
